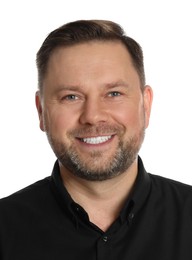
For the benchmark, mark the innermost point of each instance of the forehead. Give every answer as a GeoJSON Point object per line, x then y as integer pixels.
{"type": "Point", "coordinates": [106, 60]}
{"type": "Point", "coordinates": [91, 51]}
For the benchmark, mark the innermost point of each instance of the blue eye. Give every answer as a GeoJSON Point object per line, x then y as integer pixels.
{"type": "Point", "coordinates": [114, 94]}
{"type": "Point", "coordinates": [70, 97]}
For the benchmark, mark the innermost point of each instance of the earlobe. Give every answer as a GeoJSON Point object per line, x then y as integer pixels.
{"type": "Point", "coordinates": [39, 110]}
{"type": "Point", "coordinates": [148, 98]}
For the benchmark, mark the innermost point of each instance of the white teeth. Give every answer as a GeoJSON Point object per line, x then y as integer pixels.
{"type": "Point", "coordinates": [96, 140]}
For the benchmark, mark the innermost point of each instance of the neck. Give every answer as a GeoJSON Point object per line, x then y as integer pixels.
{"type": "Point", "coordinates": [103, 200]}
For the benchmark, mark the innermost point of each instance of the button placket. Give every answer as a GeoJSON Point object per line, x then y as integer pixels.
{"type": "Point", "coordinates": [103, 247]}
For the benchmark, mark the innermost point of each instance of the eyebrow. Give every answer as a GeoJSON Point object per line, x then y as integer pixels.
{"type": "Point", "coordinates": [67, 87]}
{"type": "Point", "coordinates": [110, 85]}
{"type": "Point", "coordinates": [119, 83]}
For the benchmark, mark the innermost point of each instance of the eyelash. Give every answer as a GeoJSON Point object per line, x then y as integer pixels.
{"type": "Point", "coordinates": [69, 97]}
{"type": "Point", "coordinates": [114, 94]}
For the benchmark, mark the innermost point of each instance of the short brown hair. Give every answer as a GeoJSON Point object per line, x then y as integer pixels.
{"type": "Point", "coordinates": [83, 31]}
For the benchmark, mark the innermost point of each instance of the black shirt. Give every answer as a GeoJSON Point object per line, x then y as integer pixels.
{"type": "Point", "coordinates": [42, 222]}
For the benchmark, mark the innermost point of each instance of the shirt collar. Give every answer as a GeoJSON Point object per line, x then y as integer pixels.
{"type": "Point", "coordinates": [142, 187]}
{"type": "Point", "coordinates": [134, 203]}
{"type": "Point", "coordinates": [138, 195]}
{"type": "Point", "coordinates": [59, 189]}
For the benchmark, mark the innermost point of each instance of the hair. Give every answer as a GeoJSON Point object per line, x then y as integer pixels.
{"type": "Point", "coordinates": [83, 31]}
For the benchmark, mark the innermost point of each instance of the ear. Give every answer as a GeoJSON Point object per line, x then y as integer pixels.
{"type": "Point", "coordinates": [148, 98]}
{"type": "Point", "coordinates": [39, 110]}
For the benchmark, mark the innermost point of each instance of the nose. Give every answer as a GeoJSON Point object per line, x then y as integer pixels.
{"type": "Point", "coordinates": [93, 112]}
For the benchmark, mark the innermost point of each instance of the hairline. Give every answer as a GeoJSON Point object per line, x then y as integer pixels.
{"type": "Point", "coordinates": [68, 45]}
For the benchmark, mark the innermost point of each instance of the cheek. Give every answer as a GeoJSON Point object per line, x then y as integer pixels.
{"type": "Point", "coordinates": [59, 121]}
{"type": "Point", "coordinates": [131, 116]}
{"type": "Point", "coordinates": [54, 121]}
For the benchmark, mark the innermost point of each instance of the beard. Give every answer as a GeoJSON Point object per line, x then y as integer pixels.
{"type": "Point", "coordinates": [97, 166]}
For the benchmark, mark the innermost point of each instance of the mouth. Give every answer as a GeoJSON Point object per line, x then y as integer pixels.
{"type": "Point", "coordinates": [96, 140]}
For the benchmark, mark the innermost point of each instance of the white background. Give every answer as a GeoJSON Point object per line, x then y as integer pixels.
{"type": "Point", "coordinates": [163, 28]}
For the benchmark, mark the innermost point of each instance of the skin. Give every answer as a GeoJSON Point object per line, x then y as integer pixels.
{"type": "Point", "coordinates": [90, 90]}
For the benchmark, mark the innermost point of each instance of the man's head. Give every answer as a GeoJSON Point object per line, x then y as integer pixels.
{"type": "Point", "coordinates": [85, 31]}
{"type": "Point", "coordinates": [92, 102]}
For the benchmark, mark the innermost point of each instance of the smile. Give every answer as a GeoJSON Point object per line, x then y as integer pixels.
{"type": "Point", "coordinates": [96, 140]}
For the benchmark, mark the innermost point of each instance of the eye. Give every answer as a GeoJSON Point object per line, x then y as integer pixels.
{"type": "Point", "coordinates": [70, 97]}
{"type": "Point", "coordinates": [114, 94]}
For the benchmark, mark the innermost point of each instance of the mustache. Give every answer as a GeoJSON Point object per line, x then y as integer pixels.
{"type": "Point", "coordinates": [96, 130]}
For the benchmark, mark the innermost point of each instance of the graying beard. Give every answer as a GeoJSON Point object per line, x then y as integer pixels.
{"type": "Point", "coordinates": [122, 160]}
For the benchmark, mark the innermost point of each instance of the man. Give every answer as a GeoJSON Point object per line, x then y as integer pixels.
{"type": "Point", "coordinates": [99, 202]}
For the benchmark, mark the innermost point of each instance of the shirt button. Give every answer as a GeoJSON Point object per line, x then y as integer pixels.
{"type": "Point", "coordinates": [131, 216]}
{"type": "Point", "coordinates": [105, 238]}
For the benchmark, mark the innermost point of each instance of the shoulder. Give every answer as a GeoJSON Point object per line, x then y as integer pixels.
{"type": "Point", "coordinates": [163, 183]}
{"type": "Point", "coordinates": [171, 190]}
{"type": "Point", "coordinates": [33, 194]}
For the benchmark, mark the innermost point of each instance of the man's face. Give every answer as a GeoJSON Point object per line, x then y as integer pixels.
{"type": "Point", "coordinates": [93, 110]}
